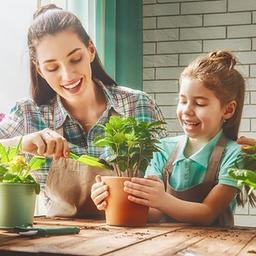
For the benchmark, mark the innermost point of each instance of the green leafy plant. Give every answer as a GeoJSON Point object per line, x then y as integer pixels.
{"type": "Point", "coordinates": [130, 144]}
{"type": "Point", "coordinates": [244, 172]}
{"type": "Point", "coordinates": [90, 161]}
{"type": "Point", "coordinates": [15, 169]}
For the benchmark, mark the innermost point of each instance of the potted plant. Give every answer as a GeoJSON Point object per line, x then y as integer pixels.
{"type": "Point", "coordinates": [244, 172]}
{"type": "Point", "coordinates": [18, 188]}
{"type": "Point", "coordinates": [130, 146]}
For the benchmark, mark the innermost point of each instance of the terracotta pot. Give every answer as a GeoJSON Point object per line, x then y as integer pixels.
{"type": "Point", "coordinates": [120, 211]}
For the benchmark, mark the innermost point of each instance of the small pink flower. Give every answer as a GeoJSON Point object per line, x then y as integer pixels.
{"type": "Point", "coordinates": [2, 116]}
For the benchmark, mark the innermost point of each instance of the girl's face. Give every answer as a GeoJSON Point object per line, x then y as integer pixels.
{"type": "Point", "coordinates": [64, 62]}
{"type": "Point", "coordinates": [199, 111]}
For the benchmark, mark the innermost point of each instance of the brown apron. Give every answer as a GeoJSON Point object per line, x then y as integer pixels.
{"type": "Point", "coordinates": [68, 188]}
{"type": "Point", "coordinates": [200, 191]}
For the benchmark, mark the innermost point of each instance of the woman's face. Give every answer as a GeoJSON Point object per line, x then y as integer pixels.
{"type": "Point", "coordinates": [199, 111]}
{"type": "Point", "coordinates": [64, 62]}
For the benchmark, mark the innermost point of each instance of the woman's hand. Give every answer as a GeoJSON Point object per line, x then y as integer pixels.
{"type": "Point", "coordinates": [246, 141]}
{"type": "Point", "coordinates": [99, 192]}
{"type": "Point", "coordinates": [45, 143]}
{"type": "Point", "coordinates": [146, 191]}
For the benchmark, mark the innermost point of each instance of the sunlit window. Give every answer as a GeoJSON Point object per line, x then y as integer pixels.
{"type": "Point", "coordinates": [14, 82]}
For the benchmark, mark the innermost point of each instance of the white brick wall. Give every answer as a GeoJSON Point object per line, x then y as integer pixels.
{"type": "Point", "coordinates": [177, 31]}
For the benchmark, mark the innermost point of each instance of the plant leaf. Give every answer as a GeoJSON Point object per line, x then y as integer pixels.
{"type": "Point", "coordinates": [73, 156]}
{"type": "Point", "coordinates": [36, 162]}
{"type": "Point", "coordinates": [92, 161]}
{"type": "Point", "coordinates": [3, 154]}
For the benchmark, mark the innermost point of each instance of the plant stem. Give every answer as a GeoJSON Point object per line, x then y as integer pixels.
{"type": "Point", "coordinates": [138, 164]}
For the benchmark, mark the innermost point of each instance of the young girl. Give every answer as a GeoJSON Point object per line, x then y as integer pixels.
{"type": "Point", "coordinates": [193, 168]}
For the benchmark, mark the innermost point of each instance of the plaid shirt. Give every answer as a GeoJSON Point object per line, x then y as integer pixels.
{"type": "Point", "coordinates": [26, 117]}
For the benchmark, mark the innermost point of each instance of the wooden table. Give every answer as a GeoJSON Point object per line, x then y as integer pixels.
{"type": "Point", "coordinates": [97, 238]}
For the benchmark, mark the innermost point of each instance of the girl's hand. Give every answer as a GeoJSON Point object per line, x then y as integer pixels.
{"type": "Point", "coordinates": [45, 143]}
{"type": "Point", "coordinates": [246, 141]}
{"type": "Point", "coordinates": [99, 192]}
{"type": "Point", "coordinates": [146, 191]}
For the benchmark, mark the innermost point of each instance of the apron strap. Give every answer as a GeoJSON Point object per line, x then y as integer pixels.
{"type": "Point", "coordinates": [169, 166]}
{"type": "Point", "coordinates": [215, 160]}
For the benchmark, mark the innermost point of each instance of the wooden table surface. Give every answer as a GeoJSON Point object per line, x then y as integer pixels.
{"type": "Point", "coordinates": [97, 238]}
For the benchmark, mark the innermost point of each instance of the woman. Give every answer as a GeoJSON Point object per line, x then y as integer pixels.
{"type": "Point", "coordinates": [71, 92]}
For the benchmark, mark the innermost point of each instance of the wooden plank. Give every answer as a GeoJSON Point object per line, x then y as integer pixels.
{"type": "Point", "coordinates": [6, 236]}
{"type": "Point", "coordinates": [250, 248]}
{"type": "Point", "coordinates": [228, 242]}
{"type": "Point", "coordinates": [165, 244]}
{"type": "Point", "coordinates": [88, 242]}
{"type": "Point", "coordinates": [194, 241]}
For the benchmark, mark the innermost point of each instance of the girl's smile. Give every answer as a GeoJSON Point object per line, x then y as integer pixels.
{"type": "Point", "coordinates": [189, 125]}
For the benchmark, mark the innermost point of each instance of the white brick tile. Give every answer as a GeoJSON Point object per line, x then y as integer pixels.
{"type": "Point", "coordinates": [171, 1]}
{"type": "Point", "coordinates": [252, 211]}
{"type": "Point", "coordinates": [238, 5]}
{"type": "Point", "coordinates": [254, 17]}
{"type": "Point", "coordinates": [149, 48]}
{"type": "Point", "coordinates": [202, 33]}
{"type": "Point", "coordinates": [247, 98]}
{"type": "Point", "coordinates": [231, 44]}
{"type": "Point", "coordinates": [227, 19]}
{"type": "Point", "coordinates": [253, 98]}
{"type": "Point", "coordinates": [160, 9]}
{"type": "Point", "coordinates": [180, 21]}
{"type": "Point", "coordinates": [249, 111]}
{"type": "Point", "coordinates": [161, 86]}
{"type": "Point", "coordinates": [149, 23]}
{"type": "Point", "coordinates": [179, 47]}
{"type": "Point", "coordinates": [252, 70]}
{"type": "Point", "coordinates": [203, 7]}
{"type": "Point", "coordinates": [168, 73]}
{"type": "Point", "coordinates": [245, 220]}
{"type": "Point", "coordinates": [167, 99]}
{"type": "Point", "coordinates": [246, 57]}
{"type": "Point", "coordinates": [185, 59]}
{"type": "Point", "coordinates": [251, 84]}
{"type": "Point", "coordinates": [242, 210]}
{"type": "Point", "coordinates": [243, 69]}
{"type": "Point", "coordinates": [253, 43]}
{"type": "Point", "coordinates": [253, 124]}
{"type": "Point", "coordinates": [245, 125]}
{"type": "Point", "coordinates": [148, 73]}
{"type": "Point", "coordinates": [241, 31]}
{"type": "Point", "coordinates": [169, 111]}
{"type": "Point", "coordinates": [160, 35]}
{"type": "Point", "coordinates": [160, 60]}
{"type": "Point", "coordinates": [149, 1]}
